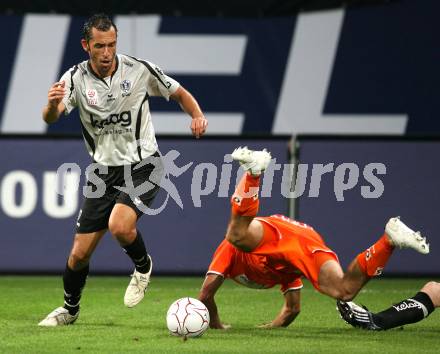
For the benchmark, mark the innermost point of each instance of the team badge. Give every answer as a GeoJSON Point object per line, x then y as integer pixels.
{"type": "Point", "coordinates": [92, 97]}
{"type": "Point", "coordinates": [125, 87]}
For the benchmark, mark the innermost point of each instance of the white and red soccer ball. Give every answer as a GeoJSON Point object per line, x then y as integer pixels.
{"type": "Point", "coordinates": [187, 317]}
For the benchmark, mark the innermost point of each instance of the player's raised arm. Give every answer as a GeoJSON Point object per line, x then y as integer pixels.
{"type": "Point", "coordinates": [55, 106]}
{"type": "Point", "coordinates": [289, 311]}
{"type": "Point", "coordinates": [210, 286]}
{"type": "Point", "coordinates": [189, 105]}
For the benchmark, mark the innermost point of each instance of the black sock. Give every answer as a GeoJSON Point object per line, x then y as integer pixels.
{"type": "Point", "coordinates": [138, 254]}
{"type": "Point", "coordinates": [73, 285]}
{"type": "Point", "coordinates": [407, 311]}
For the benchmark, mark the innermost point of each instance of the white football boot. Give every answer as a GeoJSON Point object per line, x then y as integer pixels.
{"type": "Point", "coordinates": [252, 161]}
{"type": "Point", "coordinates": [402, 236]}
{"type": "Point", "coordinates": [138, 286]}
{"type": "Point", "coordinates": [59, 317]}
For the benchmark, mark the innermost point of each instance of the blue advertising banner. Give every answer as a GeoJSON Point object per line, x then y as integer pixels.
{"type": "Point", "coordinates": [353, 186]}
{"type": "Point", "coordinates": [363, 70]}
{"type": "Point", "coordinates": [38, 225]}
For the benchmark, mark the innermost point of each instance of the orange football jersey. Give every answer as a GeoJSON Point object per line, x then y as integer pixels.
{"type": "Point", "coordinates": [286, 253]}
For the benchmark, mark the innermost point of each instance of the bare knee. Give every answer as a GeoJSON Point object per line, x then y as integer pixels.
{"type": "Point", "coordinates": [122, 230]}
{"type": "Point", "coordinates": [333, 282]}
{"type": "Point", "coordinates": [338, 290]}
{"type": "Point", "coordinates": [432, 288]}
{"type": "Point", "coordinates": [347, 295]}
{"type": "Point", "coordinates": [341, 293]}
{"type": "Point", "coordinates": [78, 260]}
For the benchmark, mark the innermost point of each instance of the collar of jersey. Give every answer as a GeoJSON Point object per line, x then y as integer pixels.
{"type": "Point", "coordinates": [100, 78]}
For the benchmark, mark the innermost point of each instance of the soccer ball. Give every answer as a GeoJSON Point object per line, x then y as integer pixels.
{"type": "Point", "coordinates": [187, 317]}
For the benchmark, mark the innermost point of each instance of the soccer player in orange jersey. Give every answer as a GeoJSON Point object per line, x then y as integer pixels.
{"type": "Point", "coordinates": [261, 252]}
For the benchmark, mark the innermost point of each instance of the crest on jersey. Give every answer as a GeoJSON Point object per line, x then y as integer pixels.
{"type": "Point", "coordinates": [125, 87]}
{"type": "Point", "coordinates": [92, 97]}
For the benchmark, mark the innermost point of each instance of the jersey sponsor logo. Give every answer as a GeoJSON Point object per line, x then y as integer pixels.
{"type": "Point", "coordinates": [125, 87]}
{"type": "Point", "coordinates": [405, 305]}
{"type": "Point", "coordinates": [92, 97]}
{"type": "Point", "coordinates": [110, 97]}
{"type": "Point", "coordinates": [123, 118]}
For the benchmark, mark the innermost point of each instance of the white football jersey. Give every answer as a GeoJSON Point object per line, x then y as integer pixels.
{"type": "Point", "coordinates": [115, 115]}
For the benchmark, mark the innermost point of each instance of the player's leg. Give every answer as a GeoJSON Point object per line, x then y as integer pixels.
{"type": "Point", "coordinates": [77, 268]}
{"type": "Point", "coordinates": [333, 282]}
{"type": "Point", "coordinates": [74, 279]}
{"type": "Point", "coordinates": [411, 310]}
{"type": "Point", "coordinates": [242, 232]}
{"type": "Point", "coordinates": [345, 286]}
{"type": "Point", "coordinates": [122, 225]}
{"type": "Point", "coordinates": [432, 288]}
{"type": "Point", "coordinates": [91, 225]}
{"type": "Point", "coordinates": [146, 177]}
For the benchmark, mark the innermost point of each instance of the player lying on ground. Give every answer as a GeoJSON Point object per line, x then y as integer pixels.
{"type": "Point", "coordinates": [261, 252]}
{"type": "Point", "coordinates": [411, 310]}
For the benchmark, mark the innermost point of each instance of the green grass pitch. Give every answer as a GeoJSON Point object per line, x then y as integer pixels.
{"type": "Point", "coordinates": [106, 326]}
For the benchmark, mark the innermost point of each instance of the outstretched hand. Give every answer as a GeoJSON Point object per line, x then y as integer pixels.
{"type": "Point", "coordinates": [198, 126]}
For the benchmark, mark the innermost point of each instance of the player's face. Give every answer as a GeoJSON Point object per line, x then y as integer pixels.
{"type": "Point", "coordinates": [102, 50]}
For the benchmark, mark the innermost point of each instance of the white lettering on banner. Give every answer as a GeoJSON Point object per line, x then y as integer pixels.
{"type": "Point", "coordinates": [178, 123]}
{"type": "Point", "coordinates": [37, 65]}
{"type": "Point", "coordinates": [187, 54]}
{"type": "Point", "coordinates": [300, 104]}
{"type": "Point", "coordinates": [377, 187]}
{"type": "Point", "coordinates": [69, 205]}
{"type": "Point", "coordinates": [340, 183]}
{"type": "Point", "coordinates": [266, 188]}
{"type": "Point", "coordinates": [60, 189]}
{"type": "Point", "coordinates": [29, 194]}
{"type": "Point", "coordinates": [318, 171]}
{"type": "Point", "coordinates": [306, 82]}
{"type": "Point", "coordinates": [225, 177]}
{"type": "Point", "coordinates": [197, 181]}
{"type": "Point", "coordinates": [287, 182]}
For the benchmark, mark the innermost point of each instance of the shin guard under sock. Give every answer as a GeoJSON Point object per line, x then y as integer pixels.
{"type": "Point", "coordinates": [373, 260]}
{"type": "Point", "coordinates": [407, 311]}
{"type": "Point", "coordinates": [245, 200]}
{"type": "Point", "coordinates": [138, 254]}
{"type": "Point", "coordinates": [74, 282]}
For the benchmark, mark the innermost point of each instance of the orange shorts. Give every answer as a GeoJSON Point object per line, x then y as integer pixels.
{"type": "Point", "coordinates": [299, 244]}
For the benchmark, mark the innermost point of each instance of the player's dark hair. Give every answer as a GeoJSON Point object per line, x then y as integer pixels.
{"type": "Point", "coordinates": [99, 21]}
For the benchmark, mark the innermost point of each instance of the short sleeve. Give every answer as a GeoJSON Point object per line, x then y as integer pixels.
{"type": "Point", "coordinates": [296, 284]}
{"type": "Point", "coordinates": [69, 99]}
{"type": "Point", "coordinates": [222, 260]}
{"type": "Point", "coordinates": [160, 84]}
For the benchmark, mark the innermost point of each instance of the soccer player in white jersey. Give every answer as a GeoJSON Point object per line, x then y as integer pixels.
{"type": "Point", "coordinates": [111, 91]}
